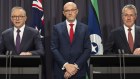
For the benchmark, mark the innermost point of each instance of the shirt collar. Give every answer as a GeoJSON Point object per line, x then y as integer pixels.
{"type": "Point", "coordinates": [21, 29]}
{"type": "Point", "coordinates": [74, 22]}
{"type": "Point", "coordinates": [125, 27]}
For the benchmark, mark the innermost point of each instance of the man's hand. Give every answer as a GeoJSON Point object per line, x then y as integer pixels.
{"type": "Point", "coordinates": [136, 51]}
{"type": "Point", "coordinates": [25, 53]}
{"type": "Point", "coordinates": [71, 69]}
{"type": "Point", "coordinates": [67, 75]}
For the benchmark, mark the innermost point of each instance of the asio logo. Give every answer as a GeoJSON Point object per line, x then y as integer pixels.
{"type": "Point", "coordinates": [96, 44]}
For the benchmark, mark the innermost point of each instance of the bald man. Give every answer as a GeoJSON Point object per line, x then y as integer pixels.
{"type": "Point", "coordinates": [70, 45]}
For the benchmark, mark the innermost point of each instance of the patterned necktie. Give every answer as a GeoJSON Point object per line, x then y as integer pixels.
{"type": "Point", "coordinates": [71, 33]}
{"type": "Point", "coordinates": [130, 39]}
{"type": "Point", "coordinates": [18, 41]}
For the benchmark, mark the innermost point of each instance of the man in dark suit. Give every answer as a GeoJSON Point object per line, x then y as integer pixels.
{"type": "Point", "coordinates": [70, 45]}
{"type": "Point", "coordinates": [20, 39]}
{"type": "Point", "coordinates": [125, 38]}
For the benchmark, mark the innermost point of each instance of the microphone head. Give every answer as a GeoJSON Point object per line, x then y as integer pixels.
{"type": "Point", "coordinates": [10, 52]}
{"type": "Point", "coordinates": [123, 51]}
{"type": "Point", "coordinates": [119, 51]}
{"type": "Point", "coordinates": [7, 52]}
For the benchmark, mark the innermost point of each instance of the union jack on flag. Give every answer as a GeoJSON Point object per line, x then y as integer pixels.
{"type": "Point", "coordinates": [38, 16]}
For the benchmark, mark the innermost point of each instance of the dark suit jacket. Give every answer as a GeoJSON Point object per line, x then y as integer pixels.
{"type": "Point", "coordinates": [78, 52]}
{"type": "Point", "coordinates": [30, 42]}
{"type": "Point", "coordinates": [117, 40]}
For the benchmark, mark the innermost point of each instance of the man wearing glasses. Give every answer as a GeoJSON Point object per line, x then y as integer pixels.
{"type": "Point", "coordinates": [70, 45]}
{"type": "Point", "coordinates": [20, 39]}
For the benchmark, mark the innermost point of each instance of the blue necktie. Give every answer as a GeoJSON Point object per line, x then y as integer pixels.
{"type": "Point", "coordinates": [18, 41]}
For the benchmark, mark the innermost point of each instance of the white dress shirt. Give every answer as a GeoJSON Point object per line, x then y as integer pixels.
{"type": "Point", "coordinates": [132, 32]}
{"type": "Point", "coordinates": [68, 26]}
{"type": "Point", "coordinates": [20, 33]}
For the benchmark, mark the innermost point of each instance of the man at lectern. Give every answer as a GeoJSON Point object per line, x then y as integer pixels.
{"type": "Point", "coordinates": [20, 39]}
{"type": "Point", "coordinates": [127, 37]}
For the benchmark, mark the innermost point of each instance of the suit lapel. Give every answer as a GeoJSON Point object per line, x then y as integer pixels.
{"type": "Point", "coordinates": [77, 29]}
{"type": "Point", "coordinates": [137, 32]}
{"type": "Point", "coordinates": [65, 32]}
{"type": "Point", "coordinates": [24, 38]}
{"type": "Point", "coordinates": [11, 37]}
{"type": "Point", "coordinates": [124, 39]}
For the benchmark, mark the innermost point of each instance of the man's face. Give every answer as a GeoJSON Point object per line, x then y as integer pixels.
{"type": "Point", "coordinates": [18, 18]}
{"type": "Point", "coordinates": [129, 17]}
{"type": "Point", "coordinates": [70, 12]}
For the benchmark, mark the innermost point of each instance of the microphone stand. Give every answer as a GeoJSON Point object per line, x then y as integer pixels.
{"type": "Point", "coordinates": [123, 55]}
{"type": "Point", "coordinates": [120, 62]}
{"type": "Point", "coordinates": [6, 72]}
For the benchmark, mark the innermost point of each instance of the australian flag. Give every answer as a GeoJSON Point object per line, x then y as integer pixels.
{"type": "Point", "coordinates": [95, 32]}
{"type": "Point", "coordinates": [38, 17]}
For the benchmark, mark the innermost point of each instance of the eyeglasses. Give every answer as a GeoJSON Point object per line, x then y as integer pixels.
{"type": "Point", "coordinates": [68, 11]}
{"type": "Point", "coordinates": [17, 17]}
{"type": "Point", "coordinates": [129, 15]}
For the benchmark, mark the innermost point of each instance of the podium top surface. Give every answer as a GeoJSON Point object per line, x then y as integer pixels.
{"type": "Point", "coordinates": [20, 61]}
{"type": "Point", "coordinates": [115, 60]}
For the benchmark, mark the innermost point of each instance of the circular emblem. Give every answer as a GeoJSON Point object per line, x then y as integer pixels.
{"type": "Point", "coordinates": [96, 44]}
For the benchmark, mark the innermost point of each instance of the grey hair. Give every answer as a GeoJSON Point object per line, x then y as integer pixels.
{"type": "Point", "coordinates": [130, 6]}
{"type": "Point", "coordinates": [17, 7]}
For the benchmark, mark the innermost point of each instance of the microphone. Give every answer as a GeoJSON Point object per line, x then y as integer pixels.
{"type": "Point", "coordinates": [123, 55]}
{"type": "Point", "coordinates": [6, 66]}
{"type": "Point", "coordinates": [10, 62]}
{"type": "Point", "coordinates": [120, 62]}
